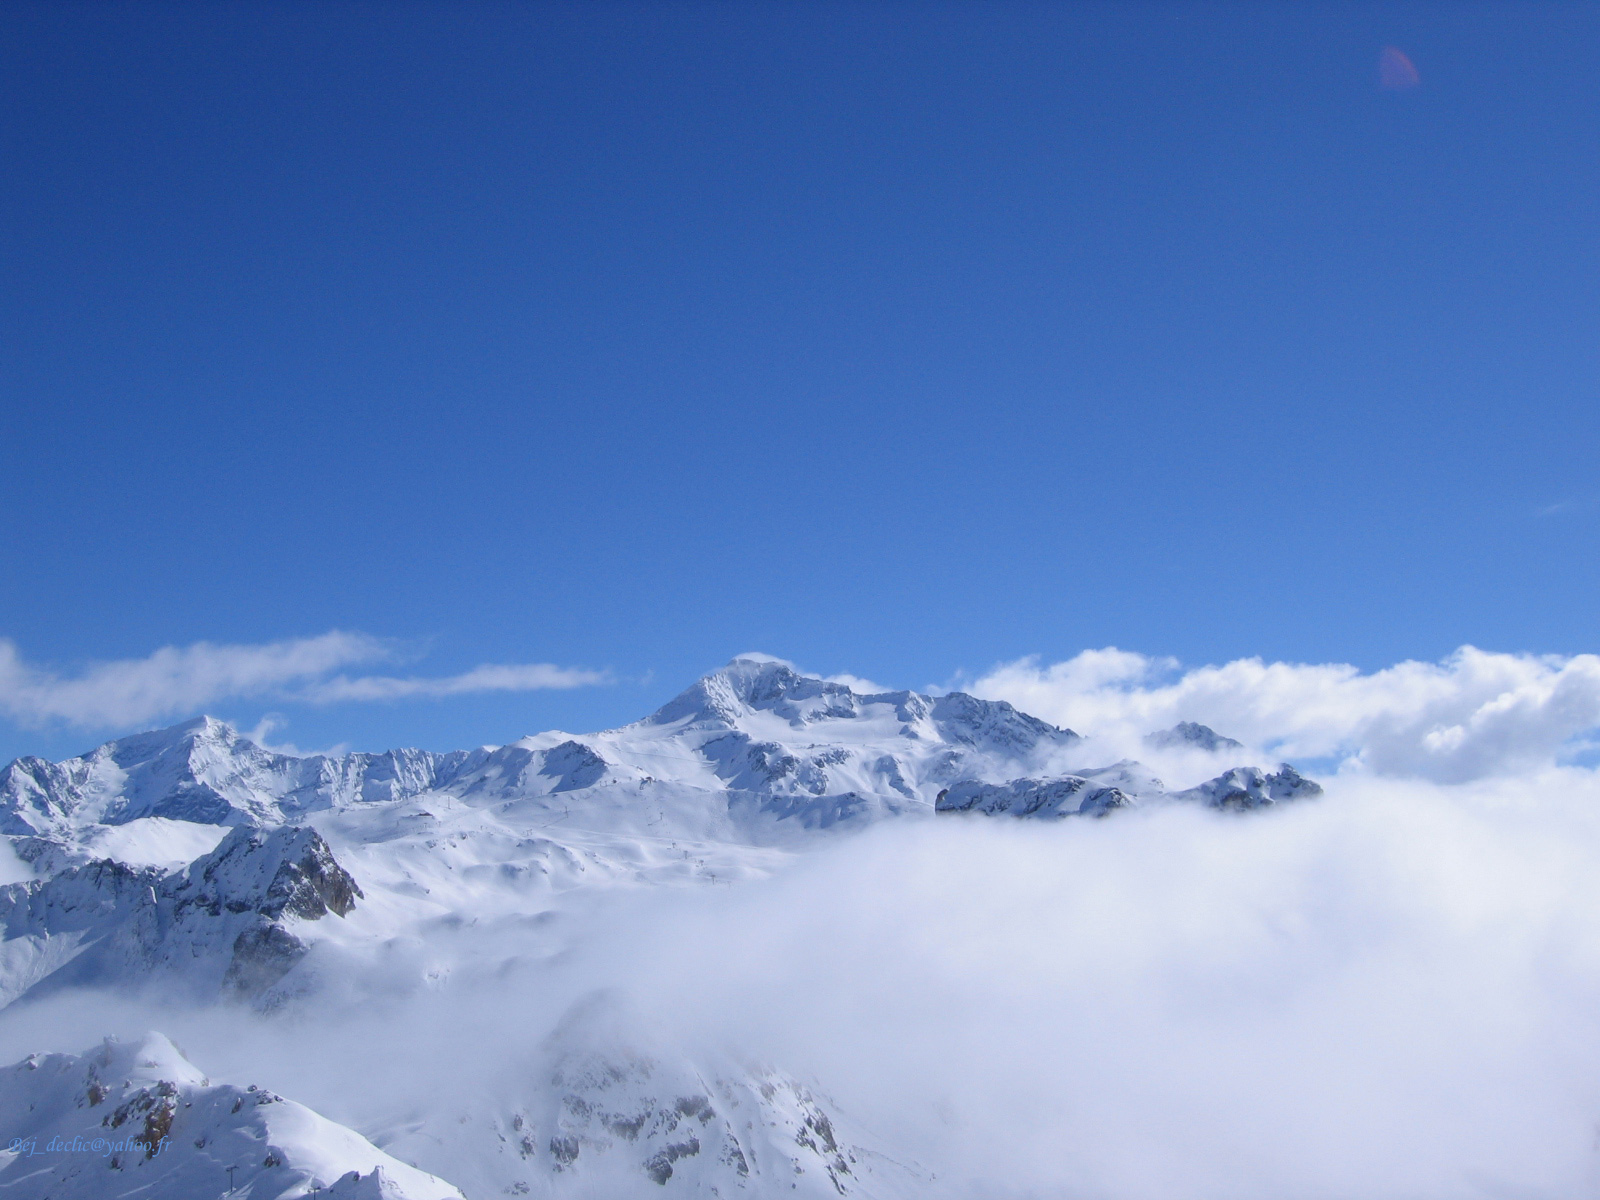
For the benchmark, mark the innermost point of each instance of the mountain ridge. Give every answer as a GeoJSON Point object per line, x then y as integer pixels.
{"type": "Point", "coordinates": [753, 743]}
{"type": "Point", "coordinates": [196, 864]}
{"type": "Point", "coordinates": [754, 726]}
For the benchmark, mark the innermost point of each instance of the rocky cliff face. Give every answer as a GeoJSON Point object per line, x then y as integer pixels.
{"type": "Point", "coordinates": [1069, 796]}
{"type": "Point", "coordinates": [234, 922]}
{"type": "Point", "coordinates": [1245, 788]}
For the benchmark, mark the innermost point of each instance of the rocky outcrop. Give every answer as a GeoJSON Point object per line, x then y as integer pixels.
{"type": "Point", "coordinates": [1245, 788]}
{"type": "Point", "coordinates": [1068, 796]}
{"type": "Point", "coordinates": [1102, 792]}
{"type": "Point", "coordinates": [234, 922]}
{"type": "Point", "coordinates": [287, 870]}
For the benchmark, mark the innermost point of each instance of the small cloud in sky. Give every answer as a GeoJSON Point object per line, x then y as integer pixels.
{"type": "Point", "coordinates": [262, 735]}
{"type": "Point", "coordinates": [1571, 504]}
{"type": "Point", "coordinates": [762, 657]}
{"type": "Point", "coordinates": [179, 680]}
{"type": "Point", "coordinates": [1396, 71]}
{"type": "Point", "coordinates": [493, 677]}
{"type": "Point", "coordinates": [858, 685]}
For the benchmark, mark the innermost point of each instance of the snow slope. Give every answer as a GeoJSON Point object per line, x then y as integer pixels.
{"type": "Point", "coordinates": [139, 1120]}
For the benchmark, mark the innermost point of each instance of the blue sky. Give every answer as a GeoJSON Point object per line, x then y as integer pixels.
{"type": "Point", "coordinates": [894, 339]}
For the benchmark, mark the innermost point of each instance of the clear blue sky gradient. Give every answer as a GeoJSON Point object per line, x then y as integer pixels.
{"type": "Point", "coordinates": [893, 339]}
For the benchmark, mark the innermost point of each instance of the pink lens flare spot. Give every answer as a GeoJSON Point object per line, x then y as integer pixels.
{"type": "Point", "coordinates": [1396, 72]}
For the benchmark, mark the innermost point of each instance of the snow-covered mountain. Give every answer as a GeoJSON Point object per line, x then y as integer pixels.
{"type": "Point", "coordinates": [230, 917]}
{"type": "Point", "coordinates": [192, 862]}
{"type": "Point", "coordinates": [605, 1108]}
{"type": "Point", "coordinates": [1191, 734]}
{"type": "Point", "coordinates": [754, 740]}
{"type": "Point", "coordinates": [1251, 787]}
{"type": "Point", "coordinates": [138, 873]}
{"type": "Point", "coordinates": [204, 772]}
{"type": "Point", "coordinates": [754, 752]}
{"type": "Point", "coordinates": [138, 1119]}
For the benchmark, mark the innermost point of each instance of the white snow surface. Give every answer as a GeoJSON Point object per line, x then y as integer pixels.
{"type": "Point", "coordinates": [138, 1119]}
{"type": "Point", "coordinates": [150, 842]}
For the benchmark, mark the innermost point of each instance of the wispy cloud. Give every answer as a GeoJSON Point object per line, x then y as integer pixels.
{"type": "Point", "coordinates": [1571, 504]}
{"type": "Point", "coordinates": [178, 680]}
{"type": "Point", "coordinates": [267, 727]}
{"type": "Point", "coordinates": [506, 677]}
{"type": "Point", "coordinates": [1475, 714]}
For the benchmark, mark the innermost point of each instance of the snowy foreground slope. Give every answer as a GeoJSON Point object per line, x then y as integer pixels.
{"type": "Point", "coordinates": [190, 862]}
{"type": "Point", "coordinates": [150, 1124]}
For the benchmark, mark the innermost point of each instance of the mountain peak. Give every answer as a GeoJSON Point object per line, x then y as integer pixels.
{"type": "Point", "coordinates": [747, 683]}
{"type": "Point", "coordinates": [206, 726]}
{"type": "Point", "coordinates": [185, 736]}
{"type": "Point", "coordinates": [757, 659]}
{"type": "Point", "coordinates": [1191, 733]}
{"type": "Point", "coordinates": [151, 1058]}
{"type": "Point", "coordinates": [158, 1127]}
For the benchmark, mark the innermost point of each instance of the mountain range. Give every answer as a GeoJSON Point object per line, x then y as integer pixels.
{"type": "Point", "coordinates": [191, 861]}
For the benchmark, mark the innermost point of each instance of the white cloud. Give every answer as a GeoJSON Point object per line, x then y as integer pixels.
{"type": "Point", "coordinates": [178, 680]}
{"type": "Point", "coordinates": [858, 685]}
{"type": "Point", "coordinates": [509, 677]}
{"type": "Point", "coordinates": [263, 736]}
{"type": "Point", "coordinates": [1475, 714]}
{"type": "Point", "coordinates": [1388, 994]}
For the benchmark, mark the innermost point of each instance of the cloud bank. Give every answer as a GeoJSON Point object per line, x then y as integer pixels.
{"type": "Point", "coordinates": [1388, 994]}
{"type": "Point", "coordinates": [1474, 715]}
{"type": "Point", "coordinates": [181, 680]}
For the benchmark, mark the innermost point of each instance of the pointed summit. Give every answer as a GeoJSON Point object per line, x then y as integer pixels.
{"type": "Point", "coordinates": [202, 770]}
{"type": "Point", "coordinates": [182, 738]}
{"type": "Point", "coordinates": [153, 1125]}
{"type": "Point", "coordinates": [749, 683]}
{"type": "Point", "coordinates": [1191, 733]}
{"type": "Point", "coordinates": [152, 1058]}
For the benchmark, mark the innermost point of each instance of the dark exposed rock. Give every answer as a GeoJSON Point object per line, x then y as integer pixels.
{"type": "Point", "coordinates": [1245, 788]}
{"type": "Point", "coordinates": [659, 1165]}
{"type": "Point", "coordinates": [262, 955]}
{"type": "Point", "coordinates": [288, 870]}
{"type": "Point", "coordinates": [225, 914]}
{"type": "Point", "coordinates": [1067, 796]}
{"type": "Point", "coordinates": [573, 765]}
